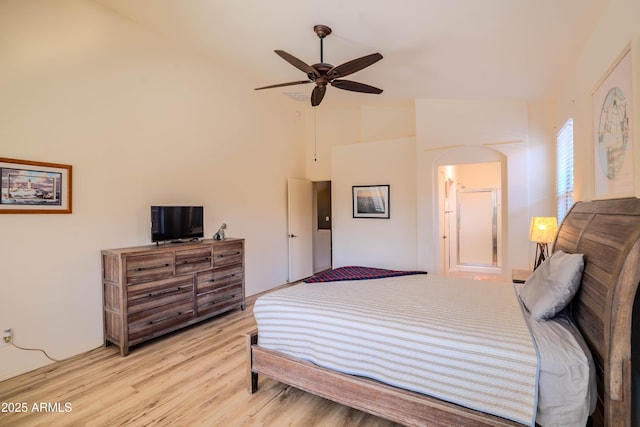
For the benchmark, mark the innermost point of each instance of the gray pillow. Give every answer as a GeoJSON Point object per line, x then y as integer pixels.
{"type": "Point", "coordinates": [552, 285]}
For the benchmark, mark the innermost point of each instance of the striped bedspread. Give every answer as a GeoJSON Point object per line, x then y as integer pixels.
{"type": "Point", "coordinates": [458, 340]}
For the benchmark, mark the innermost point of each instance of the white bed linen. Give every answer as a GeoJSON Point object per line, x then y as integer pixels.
{"type": "Point", "coordinates": [459, 340]}
{"type": "Point", "coordinates": [567, 385]}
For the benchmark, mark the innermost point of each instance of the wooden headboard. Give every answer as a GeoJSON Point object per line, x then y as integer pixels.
{"type": "Point", "coordinates": [607, 232]}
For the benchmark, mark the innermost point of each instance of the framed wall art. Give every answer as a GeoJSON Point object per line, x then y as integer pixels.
{"type": "Point", "coordinates": [371, 201]}
{"type": "Point", "coordinates": [613, 141]}
{"type": "Point", "coordinates": [34, 187]}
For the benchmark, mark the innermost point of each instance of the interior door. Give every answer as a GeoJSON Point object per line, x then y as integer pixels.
{"type": "Point", "coordinates": [445, 223]}
{"type": "Point", "coordinates": [300, 228]}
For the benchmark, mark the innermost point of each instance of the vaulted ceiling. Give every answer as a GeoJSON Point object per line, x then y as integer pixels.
{"type": "Point", "coordinates": [457, 49]}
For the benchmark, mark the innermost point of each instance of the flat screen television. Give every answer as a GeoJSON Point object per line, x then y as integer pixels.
{"type": "Point", "coordinates": [176, 223]}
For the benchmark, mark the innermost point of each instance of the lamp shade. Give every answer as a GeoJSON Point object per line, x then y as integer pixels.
{"type": "Point", "coordinates": [543, 229]}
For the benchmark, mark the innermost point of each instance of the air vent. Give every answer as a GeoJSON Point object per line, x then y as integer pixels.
{"type": "Point", "coordinates": [298, 96]}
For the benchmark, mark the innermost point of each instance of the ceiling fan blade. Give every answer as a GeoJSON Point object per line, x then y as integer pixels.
{"type": "Point", "coordinates": [317, 95]}
{"type": "Point", "coordinates": [354, 65]}
{"type": "Point", "coordinates": [300, 65]}
{"type": "Point", "coordinates": [284, 84]}
{"type": "Point", "coordinates": [355, 86]}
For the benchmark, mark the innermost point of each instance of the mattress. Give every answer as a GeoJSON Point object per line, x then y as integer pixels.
{"type": "Point", "coordinates": [459, 340]}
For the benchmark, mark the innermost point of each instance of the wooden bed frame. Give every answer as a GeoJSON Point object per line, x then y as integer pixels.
{"type": "Point", "coordinates": [607, 232]}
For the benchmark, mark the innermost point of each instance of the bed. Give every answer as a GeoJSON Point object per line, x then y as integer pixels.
{"type": "Point", "coordinates": [607, 233]}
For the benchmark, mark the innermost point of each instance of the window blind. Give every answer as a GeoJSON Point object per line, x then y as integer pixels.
{"type": "Point", "coordinates": [564, 169]}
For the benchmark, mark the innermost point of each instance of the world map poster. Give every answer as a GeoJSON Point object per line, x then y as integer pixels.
{"type": "Point", "coordinates": [612, 127]}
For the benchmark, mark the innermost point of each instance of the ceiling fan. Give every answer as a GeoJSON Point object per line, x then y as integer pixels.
{"type": "Point", "coordinates": [322, 74]}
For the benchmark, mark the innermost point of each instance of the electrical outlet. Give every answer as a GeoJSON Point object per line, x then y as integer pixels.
{"type": "Point", "coordinates": [7, 336]}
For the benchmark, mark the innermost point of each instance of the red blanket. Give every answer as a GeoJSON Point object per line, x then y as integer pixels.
{"type": "Point", "coordinates": [357, 273]}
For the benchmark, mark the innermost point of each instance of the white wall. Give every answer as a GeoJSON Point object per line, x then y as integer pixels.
{"type": "Point", "coordinates": [328, 127]}
{"type": "Point", "coordinates": [541, 160]}
{"type": "Point", "coordinates": [142, 121]}
{"type": "Point", "coordinates": [383, 243]}
{"type": "Point", "coordinates": [331, 126]}
{"type": "Point", "coordinates": [388, 121]}
{"type": "Point", "coordinates": [618, 26]}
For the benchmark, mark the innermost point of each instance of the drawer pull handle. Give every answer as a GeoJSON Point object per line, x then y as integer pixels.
{"type": "Point", "coordinates": [196, 261]}
{"type": "Point", "coordinates": [222, 278]}
{"type": "Point", "coordinates": [229, 254]}
{"type": "Point", "coordinates": [151, 267]}
{"type": "Point", "coordinates": [163, 319]}
{"type": "Point", "coordinates": [168, 291]}
{"type": "Point", "coordinates": [231, 297]}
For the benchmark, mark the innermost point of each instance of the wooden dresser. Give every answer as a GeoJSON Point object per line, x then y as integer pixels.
{"type": "Point", "coordinates": [152, 290]}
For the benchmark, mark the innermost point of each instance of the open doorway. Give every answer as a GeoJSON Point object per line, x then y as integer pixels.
{"type": "Point", "coordinates": [470, 214]}
{"type": "Point", "coordinates": [309, 227]}
{"type": "Point", "coordinates": [322, 226]}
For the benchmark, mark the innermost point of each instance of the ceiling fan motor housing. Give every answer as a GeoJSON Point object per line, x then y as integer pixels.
{"type": "Point", "coordinates": [321, 68]}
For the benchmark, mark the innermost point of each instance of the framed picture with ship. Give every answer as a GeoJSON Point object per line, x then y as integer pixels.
{"type": "Point", "coordinates": [34, 187]}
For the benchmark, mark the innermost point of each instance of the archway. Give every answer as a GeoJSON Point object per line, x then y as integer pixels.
{"type": "Point", "coordinates": [471, 209]}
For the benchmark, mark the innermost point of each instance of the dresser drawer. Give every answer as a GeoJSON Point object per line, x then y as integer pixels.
{"type": "Point", "coordinates": [144, 296]}
{"type": "Point", "coordinates": [227, 254]}
{"type": "Point", "coordinates": [190, 260]}
{"type": "Point", "coordinates": [148, 267]}
{"type": "Point", "coordinates": [220, 277]}
{"type": "Point", "coordinates": [149, 323]}
{"type": "Point", "coordinates": [220, 299]}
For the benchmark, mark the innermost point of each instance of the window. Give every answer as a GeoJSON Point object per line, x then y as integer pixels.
{"type": "Point", "coordinates": [564, 169]}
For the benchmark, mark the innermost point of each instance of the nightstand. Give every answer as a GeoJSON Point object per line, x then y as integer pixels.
{"type": "Point", "coordinates": [520, 276]}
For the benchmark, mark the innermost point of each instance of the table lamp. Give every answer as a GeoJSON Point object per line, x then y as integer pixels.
{"type": "Point", "coordinates": [542, 231]}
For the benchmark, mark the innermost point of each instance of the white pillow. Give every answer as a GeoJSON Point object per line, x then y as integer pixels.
{"type": "Point", "coordinates": [552, 285]}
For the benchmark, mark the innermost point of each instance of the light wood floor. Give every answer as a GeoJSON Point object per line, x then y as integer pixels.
{"type": "Point", "coordinates": [194, 377]}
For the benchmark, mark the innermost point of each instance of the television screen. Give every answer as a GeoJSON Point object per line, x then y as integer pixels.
{"type": "Point", "coordinates": [176, 223]}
